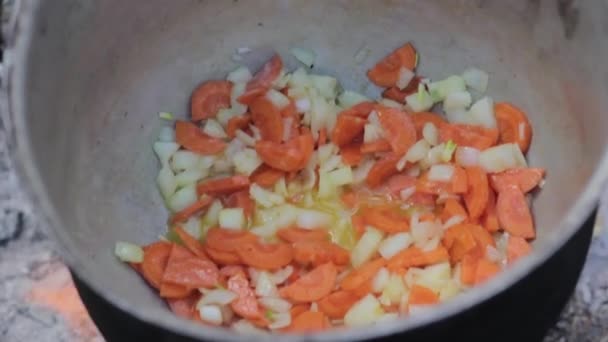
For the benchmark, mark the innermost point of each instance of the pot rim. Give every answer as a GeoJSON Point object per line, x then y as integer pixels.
{"type": "Point", "coordinates": [13, 76]}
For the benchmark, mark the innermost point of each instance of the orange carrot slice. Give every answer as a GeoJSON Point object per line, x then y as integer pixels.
{"type": "Point", "coordinates": [386, 72]}
{"type": "Point", "coordinates": [451, 208]}
{"type": "Point", "coordinates": [267, 118]}
{"type": "Point", "coordinates": [262, 80]}
{"type": "Point", "coordinates": [337, 303]}
{"type": "Point", "coordinates": [266, 256]}
{"type": "Point", "coordinates": [183, 215]}
{"type": "Point", "coordinates": [184, 307]}
{"type": "Point", "coordinates": [513, 125]}
{"type": "Point", "coordinates": [478, 137]}
{"type": "Point", "coordinates": [173, 291]}
{"type": "Point", "coordinates": [230, 270]}
{"type": "Point", "coordinates": [351, 154]}
{"type": "Point", "coordinates": [399, 127]}
{"type": "Point", "coordinates": [459, 240]}
{"type": "Point", "coordinates": [305, 143]}
{"type": "Point", "coordinates": [468, 269]}
{"type": "Point", "coordinates": [476, 199]}
{"type": "Point", "coordinates": [280, 156]}
{"type": "Point", "coordinates": [317, 252]}
{"type": "Point", "coordinates": [237, 122]}
{"type": "Point", "coordinates": [361, 110]}
{"type": "Point", "coordinates": [322, 137]}
{"type": "Point", "coordinates": [266, 176]}
{"type": "Point", "coordinates": [192, 244]}
{"type": "Point", "coordinates": [155, 262]}
{"type": "Point", "coordinates": [513, 213]}
{"type": "Point", "coordinates": [362, 274]}
{"type": "Point", "coordinates": [227, 240]}
{"type": "Point", "coordinates": [190, 137]}
{"type": "Point", "coordinates": [489, 219]}
{"type": "Point", "coordinates": [380, 145]}
{"type": "Point", "coordinates": [420, 295]}
{"type": "Point", "coordinates": [398, 95]}
{"type": "Point", "coordinates": [358, 222]}
{"type": "Point", "coordinates": [415, 257]}
{"type": "Point", "coordinates": [223, 186]}
{"type": "Point", "coordinates": [460, 181]}
{"type": "Point", "coordinates": [386, 220]}
{"type": "Point", "coordinates": [245, 305]}
{"type": "Point", "coordinates": [347, 128]}
{"type": "Point", "coordinates": [399, 182]}
{"type": "Point", "coordinates": [223, 257]}
{"type": "Point", "coordinates": [485, 271]}
{"type": "Point", "coordinates": [297, 309]}
{"type": "Point", "coordinates": [313, 285]}
{"type": "Point", "coordinates": [308, 321]}
{"type": "Point", "coordinates": [185, 269]}
{"type": "Point", "coordinates": [517, 247]}
{"type": "Point", "coordinates": [525, 178]}
{"type": "Point", "coordinates": [382, 169]}
{"type": "Point", "coordinates": [241, 199]}
{"type": "Point", "coordinates": [295, 234]}
{"type": "Point", "coordinates": [208, 98]}
{"type": "Point", "coordinates": [422, 118]}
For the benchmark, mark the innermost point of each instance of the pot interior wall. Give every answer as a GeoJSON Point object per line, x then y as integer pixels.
{"type": "Point", "coordinates": [100, 71]}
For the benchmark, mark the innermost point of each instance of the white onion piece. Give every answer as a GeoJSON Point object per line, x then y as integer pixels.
{"type": "Point", "coordinates": [183, 198]}
{"type": "Point", "coordinates": [232, 218]}
{"type": "Point", "coordinates": [128, 252]}
{"type": "Point", "coordinates": [413, 171]}
{"type": "Point", "coordinates": [189, 177]}
{"type": "Point", "coordinates": [422, 232]}
{"type": "Point", "coordinates": [311, 219]}
{"type": "Point", "coordinates": [217, 297]}
{"type": "Point", "coordinates": [245, 138]}
{"type": "Point", "coordinates": [406, 193]}
{"type": "Point", "coordinates": [236, 108]}
{"type": "Point", "coordinates": [366, 311]}
{"type": "Point", "coordinates": [482, 112]}
{"type": "Point", "coordinates": [457, 100]}
{"type": "Point", "coordinates": [192, 226]}
{"type": "Point", "coordinates": [380, 280]}
{"type": "Point", "coordinates": [341, 176]}
{"type": "Point", "coordinates": [441, 89]}
{"type": "Point", "coordinates": [433, 156]}
{"type": "Point", "coordinates": [280, 276]}
{"type": "Point", "coordinates": [314, 307]}
{"type": "Point", "coordinates": [264, 197]}
{"type": "Point", "coordinates": [434, 277]}
{"type": "Point", "coordinates": [277, 98]}
{"type": "Point", "coordinates": [349, 98]}
{"type": "Point", "coordinates": [166, 182]}
{"type": "Point", "coordinates": [264, 286]}
{"type": "Point", "coordinates": [366, 246]}
{"type": "Point", "coordinates": [305, 56]}
{"type": "Point", "coordinates": [330, 164]}
{"type": "Point", "coordinates": [394, 244]}
{"type": "Point", "coordinates": [211, 217]}
{"type": "Point", "coordinates": [214, 129]}
{"type": "Point", "coordinates": [476, 79]}
{"type": "Point", "coordinates": [467, 156]}
{"type": "Point", "coordinates": [303, 105]}
{"type": "Point", "coordinates": [361, 171]}
{"type": "Point", "coordinates": [184, 160]}
{"type": "Point", "coordinates": [452, 221]}
{"type": "Point", "coordinates": [164, 151]}
{"type": "Point", "coordinates": [256, 132]}
{"type": "Point", "coordinates": [372, 132]}
{"type": "Point", "coordinates": [502, 157]}
{"type": "Point", "coordinates": [324, 152]}
{"type": "Point", "coordinates": [441, 172]}
{"type": "Point", "coordinates": [418, 151]}
{"type": "Point", "coordinates": [211, 314]}
{"type": "Point", "coordinates": [246, 161]}
{"type": "Point", "coordinates": [405, 77]}
{"type": "Point", "coordinates": [166, 134]}
{"type": "Point", "coordinates": [275, 304]}
{"type": "Point", "coordinates": [239, 75]}
{"type": "Point", "coordinates": [390, 103]}
{"type": "Point", "coordinates": [280, 320]}
{"type": "Point", "coordinates": [430, 244]}
{"type": "Point", "coordinates": [420, 101]}
{"type": "Point", "coordinates": [225, 114]}
{"type": "Point", "coordinates": [430, 133]}
{"type": "Point", "coordinates": [459, 115]}
{"type": "Point", "coordinates": [326, 85]}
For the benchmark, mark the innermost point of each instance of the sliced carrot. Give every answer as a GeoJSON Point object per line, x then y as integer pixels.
{"type": "Point", "coordinates": [525, 178]}
{"type": "Point", "coordinates": [245, 305]}
{"type": "Point", "coordinates": [266, 256]}
{"type": "Point", "coordinates": [399, 95]}
{"type": "Point", "coordinates": [261, 82]}
{"type": "Point", "coordinates": [230, 270]}
{"type": "Point", "coordinates": [305, 143]}
{"type": "Point", "coordinates": [223, 257]}
{"type": "Point", "coordinates": [243, 200]}
{"type": "Point", "coordinates": [317, 252]}
{"type": "Point", "coordinates": [451, 208]}
{"type": "Point", "coordinates": [266, 176]}
{"type": "Point", "coordinates": [313, 285]}
{"type": "Point", "coordinates": [290, 110]}
{"type": "Point", "coordinates": [183, 215]}
{"type": "Point", "coordinates": [415, 257]}
{"type": "Point", "coordinates": [363, 289]}
{"type": "Point", "coordinates": [358, 222]}
{"type": "Point", "coordinates": [192, 244]}
{"type": "Point", "coordinates": [280, 156]}
{"type": "Point", "coordinates": [223, 186]}
{"type": "Point", "coordinates": [298, 309]}
{"type": "Point", "coordinates": [308, 321]}
{"type": "Point", "coordinates": [267, 117]}
{"type": "Point", "coordinates": [400, 182]}
{"type": "Point", "coordinates": [483, 239]}
{"type": "Point", "coordinates": [476, 199]}
{"type": "Point", "coordinates": [478, 137]}
{"type": "Point", "coordinates": [517, 247]}
{"type": "Point", "coordinates": [228, 240]}
{"type": "Point", "coordinates": [382, 169]}
{"type": "Point", "coordinates": [362, 274]}
{"type": "Point", "coordinates": [347, 128]}
{"type": "Point", "coordinates": [422, 118]}
{"type": "Point", "coordinates": [349, 198]}
{"type": "Point", "coordinates": [190, 137]}
{"type": "Point", "coordinates": [184, 307]}
{"type": "Point", "coordinates": [421, 199]}
{"type": "Point", "coordinates": [460, 181]}
{"type": "Point", "coordinates": [174, 291]}
{"type": "Point", "coordinates": [386, 220]}
{"type": "Point", "coordinates": [513, 125]}
{"type": "Point", "coordinates": [208, 98]}
{"type": "Point", "coordinates": [399, 128]}
{"type": "Point", "coordinates": [426, 186]}
{"type": "Point", "coordinates": [185, 269]}
{"type": "Point", "coordinates": [468, 269]}
{"type": "Point", "coordinates": [485, 271]}
{"type": "Point", "coordinates": [336, 304]}
{"type": "Point", "coordinates": [155, 262]}
{"type": "Point", "coordinates": [380, 145]}
{"type": "Point", "coordinates": [361, 110]}
{"type": "Point", "coordinates": [489, 219]}
{"type": "Point", "coordinates": [386, 72]}
{"type": "Point", "coordinates": [420, 295]}
{"type": "Point", "coordinates": [295, 234]}
{"type": "Point", "coordinates": [237, 122]}
{"type": "Point", "coordinates": [513, 213]}
{"type": "Point", "coordinates": [459, 240]}
{"type": "Point", "coordinates": [322, 137]}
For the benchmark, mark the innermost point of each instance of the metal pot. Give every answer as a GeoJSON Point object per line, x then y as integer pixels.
{"type": "Point", "coordinates": [83, 81]}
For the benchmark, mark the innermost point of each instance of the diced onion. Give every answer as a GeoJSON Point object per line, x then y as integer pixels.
{"type": "Point", "coordinates": [212, 215]}
{"type": "Point", "coordinates": [422, 232]}
{"type": "Point", "coordinates": [303, 105]}
{"type": "Point", "coordinates": [434, 277]}
{"type": "Point", "coordinates": [476, 79]}
{"type": "Point", "coordinates": [217, 297]}
{"type": "Point", "coordinates": [433, 156]}
{"type": "Point", "coordinates": [166, 182]}
{"type": "Point", "coordinates": [193, 227]}
{"type": "Point", "coordinates": [349, 98]}
{"type": "Point", "coordinates": [210, 314]}
{"type": "Point", "coordinates": [164, 151]}
{"type": "Point", "coordinates": [214, 129]}
{"type": "Point", "coordinates": [406, 193]}
{"type": "Point", "coordinates": [341, 176]}
{"type": "Point", "coordinates": [311, 219]}
{"type": "Point", "coordinates": [441, 172]}
{"type": "Point", "coordinates": [493, 254]}
{"type": "Point", "coordinates": [366, 246]}
{"type": "Point", "coordinates": [305, 56]}
{"type": "Point", "coordinates": [183, 198]}
{"type": "Point", "coordinates": [225, 114]}
{"type": "Point", "coordinates": [413, 170]}
{"type": "Point", "coordinates": [264, 197]}
{"type": "Point", "coordinates": [128, 252]}
{"type": "Point", "coordinates": [280, 320]}
{"type": "Point", "coordinates": [361, 171]}
{"type": "Point", "coordinates": [246, 161]}
{"type": "Point", "coordinates": [394, 290]}
{"type": "Point", "coordinates": [326, 85]}
{"type": "Point", "coordinates": [467, 156]}
{"type": "Point", "coordinates": [324, 152]}
{"type": "Point", "coordinates": [502, 157]}
{"type": "Point", "coordinates": [459, 115]}
{"type": "Point", "coordinates": [166, 134]}
{"type": "Point", "coordinates": [184, 160]}
{"type": "Point", "coordinates": [366, 311]}
{"type": "Point", "coordinates": [418, 151]}
{"type": "Point", "coordinates": [452, 221]}
{"type": "Point", "coordinates": [394, 244]}
{"type": "Point", "coordinates": [264, 286]}
{"type": "Point", "coordinates": [482, 112]}
{"type": "Point", "coordinates": [331, 164]}
{"type": "Point", "coordinates": [430, 133]}
{"type": "Point", "coordinates": [239, 75]}
{"type": "Point", "coordinates": [390, 103]}
{"type": "Point", "coordinates": [232, 218]}
{"type": "Point", "coordinates": [236, 107]}
{"type": "Point", "coordinates": [457, 100]}
{"type": "Point", "coordinates": [275, 304]}
{"type": "Point", "coordinates": [281, 81]}
{"type": "Point", "coordinates": [280, 276]}
{"type": "Point", "coordinates": [448, 151]}
{"type": "Point", "coordinates": [380, 280]}
{"type": "Point", "coordinates": [449, 290]}
{"type": "Point", "coordinates": [245, 138]}
{"type": "Point", "coordinates": [277, 98]}
{"type": "Point", "coordinates": [189, 177]}
{"type": "Point", "coordinates": [405, 77]}
{"type": "Point", "coordinates": [420, 101]}
{"type": "Point", "coordinates": [372, 132]}
{"type": "Point", "coordinates": [441, 89]}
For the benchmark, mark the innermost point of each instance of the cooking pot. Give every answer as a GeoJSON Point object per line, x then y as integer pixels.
{"type": "Point", "coordinates": [82, 82]}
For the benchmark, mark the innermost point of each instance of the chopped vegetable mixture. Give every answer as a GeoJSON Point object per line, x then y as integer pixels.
{"type": "Point", "coordinates": [298, 207]}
